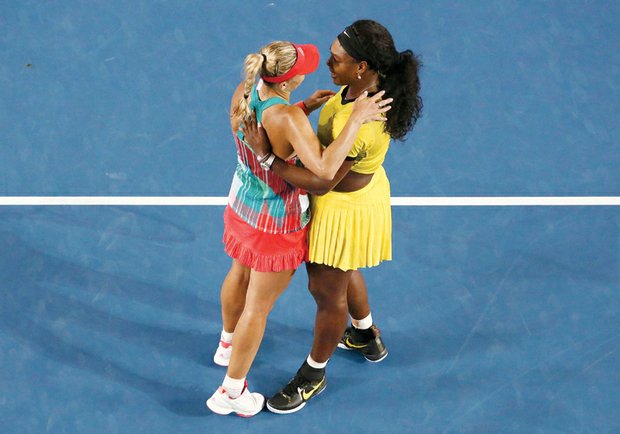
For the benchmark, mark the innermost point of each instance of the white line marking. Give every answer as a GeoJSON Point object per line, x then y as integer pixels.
{"type": "Point", "coordinates": [114, 200]}
{"type": "Point", "coordinates": [396, 201]}
{"type": "Point", "coordinates": [508, 201]}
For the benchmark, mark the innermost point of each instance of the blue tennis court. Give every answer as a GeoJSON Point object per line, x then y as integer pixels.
{"type": "Point", "coordinates": [498, 318]}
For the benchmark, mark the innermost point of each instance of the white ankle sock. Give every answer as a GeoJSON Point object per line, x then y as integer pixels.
{"type": "Point", "coordinates": [226, 337]}
{"type": "Point", "coordinates": [362, 324]}
{"type": "Point", "coordinates": [315, 365]}
{"type": "Point", "coordinates": [233, 386]}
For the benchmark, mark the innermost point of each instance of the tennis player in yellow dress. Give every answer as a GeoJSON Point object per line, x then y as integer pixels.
{"type": "Point", "coordinates": [351, 224]}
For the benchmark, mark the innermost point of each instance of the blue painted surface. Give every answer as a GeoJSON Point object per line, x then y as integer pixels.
{"type": "Point", "coordinates": [497, 319]}
{"type": "Point", "coordinates": [131, 97]}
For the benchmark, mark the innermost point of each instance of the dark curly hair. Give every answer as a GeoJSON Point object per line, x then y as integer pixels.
{"type": "Point", "coordinates": [398, 76]}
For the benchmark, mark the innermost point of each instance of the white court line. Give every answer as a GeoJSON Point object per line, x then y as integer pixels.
{"type": "Point", "coordinates": [396, 201]}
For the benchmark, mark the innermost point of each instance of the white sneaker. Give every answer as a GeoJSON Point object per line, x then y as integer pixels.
{"type": "Point", "coordinates": [222, 354]}
{"type": "Point", "coordinates": [246, 405]}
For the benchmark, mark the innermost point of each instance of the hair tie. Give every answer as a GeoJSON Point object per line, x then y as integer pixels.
{"type": "Point", "coordinates": [405, 56]}
{"type": "Point", "coordinates": [399, 59]}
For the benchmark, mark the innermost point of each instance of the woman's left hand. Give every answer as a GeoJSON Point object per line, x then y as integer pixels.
{"type": "Point", "coordinates": [256, 136]}
{"type": "Point", "coordinates": [318, 98]}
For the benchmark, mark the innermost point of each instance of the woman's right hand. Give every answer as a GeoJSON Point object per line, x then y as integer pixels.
{"type": "Point", "coordinates": [256, 136]}
{"type": "Point", "coordinates": [368, 109]}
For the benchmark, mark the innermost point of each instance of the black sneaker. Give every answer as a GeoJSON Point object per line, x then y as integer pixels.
{"type": "Point", "coordinates": [295, 394]}
{"type": "Point", "coordinates": [368, 342]}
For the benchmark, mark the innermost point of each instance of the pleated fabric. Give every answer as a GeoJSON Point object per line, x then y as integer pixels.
{"type": "Point", "coordinates": [352, 230]}
{"type": "Point", "coordinates": [262, 251]}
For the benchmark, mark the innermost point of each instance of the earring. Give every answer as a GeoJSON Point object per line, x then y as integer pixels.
{"type": "Point", "coordinates": [359, 77]}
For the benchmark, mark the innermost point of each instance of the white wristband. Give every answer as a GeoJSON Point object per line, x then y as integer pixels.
{"type": "Point", "coordinates": [267, 161]}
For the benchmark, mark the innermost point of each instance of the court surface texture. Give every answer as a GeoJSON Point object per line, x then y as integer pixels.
{"type": "Point", "coordinates": [501, 314]}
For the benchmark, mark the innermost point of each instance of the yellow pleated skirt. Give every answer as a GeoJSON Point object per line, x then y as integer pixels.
{"type": "Point", "coordinates": [352, 230]}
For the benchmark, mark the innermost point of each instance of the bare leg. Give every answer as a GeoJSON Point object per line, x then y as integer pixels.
{"type": "Point", "coordinates": [232, 294]}
{"type": "Point", "coordinates": [328, 286]}
{"type": "Point", "coordinates": [357, 297]}
{"type": "Point", "coordinates": [364, 337]}
{"type": "Point", "coordinates": [263, 291]}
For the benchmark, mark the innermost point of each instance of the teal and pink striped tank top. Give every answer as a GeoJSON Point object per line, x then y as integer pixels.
{"type": "Point", "coordinates": [261, 198]}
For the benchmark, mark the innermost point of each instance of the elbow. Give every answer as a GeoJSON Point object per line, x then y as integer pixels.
{"type": "Point", "coordinates": [326, 174]}
{"type": "Point", "coordinates": [321, 187]}
{"type": "Point", "coordinates": [320, 191]}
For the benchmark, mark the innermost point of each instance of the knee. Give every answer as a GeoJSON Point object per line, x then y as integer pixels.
{"type": "Point", "coordinates": [242, 280]}
{"type": "Point", "coordinates": [328, 286]}
{"type": "Point", "coordinates": [257, 311]}
{"type": "Point", "coordinates": [239, 275]}
{"type": "Point", "coordinates": [328, 297]}
{"type": "Point", "coordinates": [316, 291]}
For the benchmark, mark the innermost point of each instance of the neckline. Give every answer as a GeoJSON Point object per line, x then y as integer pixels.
{"type": "Point", "coordinates": [345, 101]}
{"type": "Point", "coordinates": [260, 100]}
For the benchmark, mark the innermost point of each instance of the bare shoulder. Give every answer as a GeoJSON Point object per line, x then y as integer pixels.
{"type": "Point", "coordinates": [282, 122]}
{"type": "Point", "coordinates": [282, 116]}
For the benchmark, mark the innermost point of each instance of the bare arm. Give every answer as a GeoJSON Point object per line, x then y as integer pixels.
{"type": "Point", "coordinates": [317, 99]}
{"type": "Point", "coordinates": [297, 131]}
{"type": "Point", "coordinates": [303, 178]}
{"type": "Point", "coordinates": [257, 138]}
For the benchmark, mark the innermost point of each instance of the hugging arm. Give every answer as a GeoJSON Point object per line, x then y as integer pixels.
{"type": "Point", "coordinates": [301, 177]}
{"type": "Point", "coordinates": [325, 162]}
{"type": "Point", "coordinates": [293, 127]}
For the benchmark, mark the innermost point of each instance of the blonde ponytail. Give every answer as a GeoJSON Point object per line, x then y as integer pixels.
{"type": "Point", "coordinates": [272, 60]}
{"type": "Point", "coordinates": [251, 70]}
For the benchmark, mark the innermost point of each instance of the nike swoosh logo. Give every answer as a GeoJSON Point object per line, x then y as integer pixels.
{"type": "Point", "coordinates": [307, 395]}
{"type": "Point", "coordinates": [352, 345]}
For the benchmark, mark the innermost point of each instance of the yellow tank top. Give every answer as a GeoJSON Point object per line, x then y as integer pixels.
{"type": "Point", "coordinates": [371, 143]}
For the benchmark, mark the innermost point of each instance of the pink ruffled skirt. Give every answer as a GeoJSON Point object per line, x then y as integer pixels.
{"type": "Point", "coordinates": [262, 251]}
